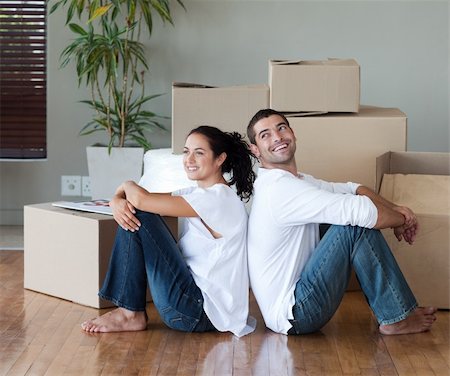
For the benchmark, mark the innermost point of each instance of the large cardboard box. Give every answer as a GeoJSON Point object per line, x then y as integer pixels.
{"type": "Point", "coordinates": [421, 181]}
{"type": "Point", "coordinates": [66, 252]}
{"type": "Point", "coordinates": [331, 85]}
{"type": "Point", "coordinates": [344, 147]}
{"type": "Point", "coordinates": [228, 108]}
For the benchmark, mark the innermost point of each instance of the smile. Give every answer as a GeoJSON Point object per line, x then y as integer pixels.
{"type": "Point", "coordinates": [280, 147]}
{"type": "Point", "coordinates": [191, 168]}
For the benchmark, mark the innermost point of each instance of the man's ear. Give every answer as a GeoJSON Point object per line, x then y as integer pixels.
{"type": "Point", "coordinates": [254, 149]}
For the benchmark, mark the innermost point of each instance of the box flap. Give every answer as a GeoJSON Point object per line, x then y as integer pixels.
{"type": "Point", "coordinates": [329, 61]}
{"type": "Point", "coordinates": [304, 113]}
{"type": "Point", "coordinates": [185, 85]}
{"type": "Point", "coordinates": [189, 85]}
{"type": "Point", "coordinates": [423, 163]}
{"type": "Point", "coordinates": [382, 167]}
{"type": "Point", "coordinates": [420, 163]}
{"type": "Point", "coordinates": [423, 193]}
{"type": "Point", "coordinates": [285, 62]}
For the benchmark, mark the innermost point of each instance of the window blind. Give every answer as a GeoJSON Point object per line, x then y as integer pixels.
{"type": "Point", "coordinates": [23, 79]}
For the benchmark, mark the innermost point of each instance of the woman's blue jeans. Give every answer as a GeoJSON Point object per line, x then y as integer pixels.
{"type": "Point", "coordinates": [151, 256]}
{"type": "Point", "coordinates": [325, 278]}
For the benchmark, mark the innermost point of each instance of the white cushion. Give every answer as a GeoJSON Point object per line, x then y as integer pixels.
{"type": "Point", "coordinates": [164, 171]}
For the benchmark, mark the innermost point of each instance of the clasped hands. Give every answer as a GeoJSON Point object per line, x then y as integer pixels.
{"type": "Point", "coordinates": [408, 231]}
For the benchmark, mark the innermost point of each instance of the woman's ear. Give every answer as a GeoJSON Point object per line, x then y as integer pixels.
{"type": "Point", "coordinates": [221, 158]}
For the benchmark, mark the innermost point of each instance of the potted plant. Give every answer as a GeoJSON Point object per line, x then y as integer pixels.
{"type": "Point", "coordinates": [110, 60]}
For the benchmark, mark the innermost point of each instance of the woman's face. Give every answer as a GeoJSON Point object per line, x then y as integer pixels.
{"type": "Point", "coordinates": [199, 161]}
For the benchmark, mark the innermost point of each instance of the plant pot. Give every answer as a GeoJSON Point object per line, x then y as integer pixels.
{"type": "Point", "coordinates": [108, 171]}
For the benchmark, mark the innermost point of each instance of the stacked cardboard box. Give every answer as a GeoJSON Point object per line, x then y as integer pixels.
{"type": "Point", "coordinates": [338, 140]}
{"type": "Point", "coordinates": [343, 147]}
{"type": "Point", "coordinates": [314, 86]}
{"type": "Point", "coordinates": [228, 108]}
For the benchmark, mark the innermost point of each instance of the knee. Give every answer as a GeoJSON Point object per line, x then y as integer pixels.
{"type": "Point", "coordinates": [147, 217]}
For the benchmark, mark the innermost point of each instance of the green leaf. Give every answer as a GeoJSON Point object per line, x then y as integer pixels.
{"type": "Point", "coordinates": [55, 7]}
{"type": "Point", "coordinates": [77, 29]}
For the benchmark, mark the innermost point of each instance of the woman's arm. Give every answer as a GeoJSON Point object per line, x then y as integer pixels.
{"type": "Point", "coordinates": [130, 196]}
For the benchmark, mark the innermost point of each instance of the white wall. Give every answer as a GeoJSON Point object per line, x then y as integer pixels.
{"type": "Point", "coordinates": [402, 47]}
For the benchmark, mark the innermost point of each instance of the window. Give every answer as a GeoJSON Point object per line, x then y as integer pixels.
{"type": "Point", "coordinates": [23, 113]}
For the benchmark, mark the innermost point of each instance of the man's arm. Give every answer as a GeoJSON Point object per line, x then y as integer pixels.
{"type": "Point", "coordinates": [400, 218]}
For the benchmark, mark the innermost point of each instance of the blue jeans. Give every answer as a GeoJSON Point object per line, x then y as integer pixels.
{"type": "Point", "coordinates": [151, 255]}
{"type": "Point", "coordinates": [325, 278]}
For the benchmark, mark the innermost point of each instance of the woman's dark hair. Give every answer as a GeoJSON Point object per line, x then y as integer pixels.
{"type": "Point", "coordinates": [239, 161]}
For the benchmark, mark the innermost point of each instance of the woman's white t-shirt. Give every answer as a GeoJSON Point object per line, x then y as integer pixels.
{"type": "Point", "coordinates": [219, 266]}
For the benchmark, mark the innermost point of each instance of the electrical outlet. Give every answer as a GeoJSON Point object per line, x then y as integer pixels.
{"type": "Point", "coordinates": [86, 186]}
{"type": "Point", "coordinates": [70, 185]}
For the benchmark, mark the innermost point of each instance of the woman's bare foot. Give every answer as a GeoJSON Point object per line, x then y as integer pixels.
{"type": "Point", "coordinates": [420, 320]}
{"type": "Point", "coordinates": [117, 320]}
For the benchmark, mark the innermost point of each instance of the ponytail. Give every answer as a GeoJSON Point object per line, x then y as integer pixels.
{"type": "Point", "coordinates": [239, 161]}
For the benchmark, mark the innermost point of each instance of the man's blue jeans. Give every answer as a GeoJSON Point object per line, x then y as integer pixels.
{"type": "Point", "coordinates": [151, 255]}
{"type": "Point", "coordinates": [325, 278]}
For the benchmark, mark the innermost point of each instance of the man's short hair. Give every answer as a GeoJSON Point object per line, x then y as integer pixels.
{"type": "Point", "coordinates": [261, 114]}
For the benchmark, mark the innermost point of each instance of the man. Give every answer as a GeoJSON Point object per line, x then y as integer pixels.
{"type": "Point", "coordinates": [298, 281]}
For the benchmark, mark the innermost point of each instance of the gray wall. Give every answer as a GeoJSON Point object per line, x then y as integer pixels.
{"type": "Point", "coordinates": [402, 47]}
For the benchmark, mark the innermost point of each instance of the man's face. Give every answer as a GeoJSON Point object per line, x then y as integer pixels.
{"type": "Point", "coordinates": [275, 142]}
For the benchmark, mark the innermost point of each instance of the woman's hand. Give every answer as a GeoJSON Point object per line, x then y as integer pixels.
{"type": "Point", "coordinates": [124, 213]}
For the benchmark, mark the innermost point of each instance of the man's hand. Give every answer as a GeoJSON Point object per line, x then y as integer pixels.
{"type": "Point", "coordinates": [410, 217]}
{"type": "Point", "coordinates": [409, 230]}
{"type": "Point", "coordinates": [124, 214]}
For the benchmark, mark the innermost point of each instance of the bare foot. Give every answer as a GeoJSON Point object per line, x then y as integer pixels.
{"type": "Point", "coordinates": [420, 320]}
{"type": "Point", "coordinates": [117, 320]}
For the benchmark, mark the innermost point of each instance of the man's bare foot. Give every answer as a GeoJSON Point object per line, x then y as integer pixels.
{"type": "Point", "coordinates": [420, 320]}
{"type": "Point", "coordinates": [117, 320]}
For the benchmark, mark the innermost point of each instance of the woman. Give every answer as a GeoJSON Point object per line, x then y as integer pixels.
{"type": "Point", "coordinates": [201, 284]}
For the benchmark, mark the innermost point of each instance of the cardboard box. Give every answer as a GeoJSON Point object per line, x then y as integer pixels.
{"type": "Point", "coordinates": [424, 186]}
{"type": "Point", "coordinates": [331, 85]}
{"type": "Point", "coordinates": [66, 252]}
{"type": "Point", "coordinates": [227, 108]}
{"type": "Point", "coordinates": [344, 147]}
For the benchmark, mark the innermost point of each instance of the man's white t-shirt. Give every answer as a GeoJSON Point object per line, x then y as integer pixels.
{"type": "Point", "coordinates": [219, 266]}
{"type": "Point", "coordinates": [284, 231]}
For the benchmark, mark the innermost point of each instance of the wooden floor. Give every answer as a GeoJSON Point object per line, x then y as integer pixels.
{"type": "Point", "coordinates": [40, 335]}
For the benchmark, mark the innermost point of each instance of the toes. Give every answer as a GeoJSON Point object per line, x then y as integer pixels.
{"type": "Point", "coordinates": [430, 310]}
{"type": "Point", "coordinates": [89, 326]}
